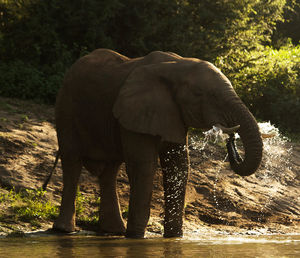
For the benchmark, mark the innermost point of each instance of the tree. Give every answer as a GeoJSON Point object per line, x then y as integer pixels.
{"type": "Point", "coordinates": [290, 26]}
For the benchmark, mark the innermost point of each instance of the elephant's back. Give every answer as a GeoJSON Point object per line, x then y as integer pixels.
{"type": "Point", "coordinates": [105, 57]}
{"type": "Point", "coordinates": [85, 101]}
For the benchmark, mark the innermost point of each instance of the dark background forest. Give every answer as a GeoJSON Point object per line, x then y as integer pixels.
{"type": "Point", "coordinates": [254, 42]}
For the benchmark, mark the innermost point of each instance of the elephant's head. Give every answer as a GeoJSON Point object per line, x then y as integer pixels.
{"type": "Point", "coordinates": [166, 98]}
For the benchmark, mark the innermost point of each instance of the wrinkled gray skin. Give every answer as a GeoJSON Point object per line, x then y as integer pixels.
{"type": "Point", "coordinates": [113, 109]}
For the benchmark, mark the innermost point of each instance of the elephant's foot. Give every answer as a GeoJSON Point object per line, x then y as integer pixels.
{"type": "Point", "coordinates": [60, 225]}
{"type": "Point", "coordinates": [133, 234]}
{"type": "Point", "coordinates": [173, 233]}
{"type": "Point", "coordinates": [111, 229]}
{"type": "Point", "coordinates": [168, 235]}
{"type": "Point", "coordinates": [110, 233]}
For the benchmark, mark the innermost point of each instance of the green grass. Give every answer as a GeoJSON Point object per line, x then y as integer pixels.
{"type": "Point", "coordinates": [86, 217]}
{"type": "Point", "coordinates": [33, 207]}
{"type": "Point", "coordinates": [24, 118]}
{"type": "Point", "coordinates": [27, 206]}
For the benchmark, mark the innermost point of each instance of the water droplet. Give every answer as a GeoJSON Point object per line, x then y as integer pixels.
{"type": "Point", "coordinates": [276, 161]}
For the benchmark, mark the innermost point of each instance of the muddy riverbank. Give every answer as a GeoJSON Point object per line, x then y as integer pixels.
{"type": "Point", "coordinates": [217, 199]}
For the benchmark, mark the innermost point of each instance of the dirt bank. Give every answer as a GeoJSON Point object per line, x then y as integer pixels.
{"type": "Point", "coordinates": [217, 199]}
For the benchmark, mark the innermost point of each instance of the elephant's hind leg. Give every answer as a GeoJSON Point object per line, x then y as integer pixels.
{"type": "Point", "coordinates": [110, 219]}
{"type": "Point", "coordinates": [71, 173]}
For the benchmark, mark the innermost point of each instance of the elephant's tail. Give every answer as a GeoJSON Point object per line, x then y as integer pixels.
{"type": "Point", "coordinates": [44, 187]}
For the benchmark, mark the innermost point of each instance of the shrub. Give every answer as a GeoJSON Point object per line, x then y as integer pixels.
{"type": "Point", "coordinates": [22, 80]}
{"type": "Point", "coordinates": [268, 82]}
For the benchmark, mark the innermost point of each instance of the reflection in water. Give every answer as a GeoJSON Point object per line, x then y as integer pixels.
{"type": "Point", "coordinates": [193, 246]}
{"type": "Point", "coordinates": [172, 250]}
{"type": "Point", "coordinates": [65, 247]}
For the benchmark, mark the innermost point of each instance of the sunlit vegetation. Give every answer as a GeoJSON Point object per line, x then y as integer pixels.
{"type": "Point", "coordinates": [255, 43]}
{"type": "Point", "coordinates": [30, 206]}
{"type": "Point", "coordinates": [35, 208]}
{"type": "Point", "coordinates": [87, 210]}
{"type": "Point", "coordinates": [268, 82]}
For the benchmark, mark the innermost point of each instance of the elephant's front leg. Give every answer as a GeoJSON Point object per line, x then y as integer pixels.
{"type": "Point", "coordinates": [141, 155]}
{"type": "Point", "coordinates": [175, 166]}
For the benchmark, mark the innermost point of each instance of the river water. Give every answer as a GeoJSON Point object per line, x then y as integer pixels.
{"type": "Point", "coordinates": [191, 246]}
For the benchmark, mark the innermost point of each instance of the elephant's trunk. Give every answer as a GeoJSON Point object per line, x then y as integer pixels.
{"type": "Point", "coordinates": [251, 139]}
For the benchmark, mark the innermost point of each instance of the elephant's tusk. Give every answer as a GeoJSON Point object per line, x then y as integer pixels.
{"type": "Point", "coordinates": [228, 130]}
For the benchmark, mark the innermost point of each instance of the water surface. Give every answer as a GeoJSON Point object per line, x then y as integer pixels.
{"type": "Point", "coordinates": [192, 246]}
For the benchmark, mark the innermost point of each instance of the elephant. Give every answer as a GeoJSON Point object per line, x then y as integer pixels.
{"type": "Point", "coordinates": [112, 109]}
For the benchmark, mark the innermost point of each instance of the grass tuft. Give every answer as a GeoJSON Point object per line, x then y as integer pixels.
{"type": "Point", "coordinates": [28, 206]}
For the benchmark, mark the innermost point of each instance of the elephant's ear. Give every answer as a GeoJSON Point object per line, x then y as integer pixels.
{"type": "Point", "coordinates": [145, 104]}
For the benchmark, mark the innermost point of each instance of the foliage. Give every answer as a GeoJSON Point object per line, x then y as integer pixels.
{"type": "Point", "coordinates": [290, 27]}
{"type": "Point", "coordinates": [22, 80]}
{"type": "Point", "coordinates": [80, 200]}
{"type": "Point", "coordinates": [85, 216]}
{"type": "Point", "coordinates": [32, 206]}
{"type": "Point", "coordinates": [47, 32]}
{"type": "Point", "coordinates": [39, 40]}
{"type": "Point", "coordinates": [268, 82]}
{"type": "Point", "coordinates": [28, 206]}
